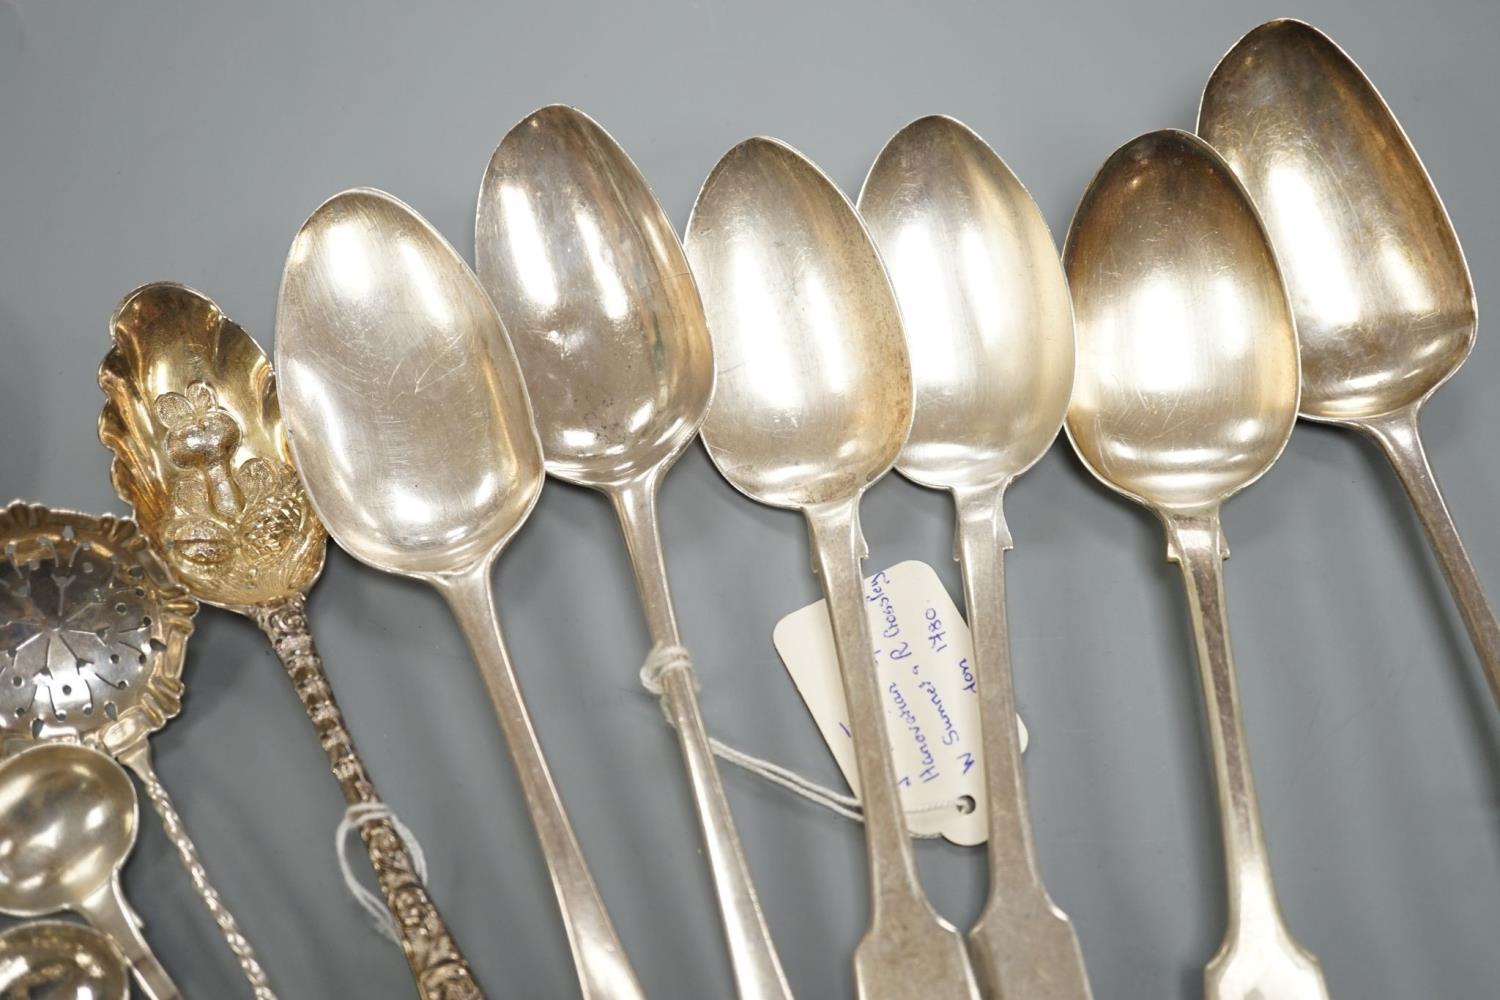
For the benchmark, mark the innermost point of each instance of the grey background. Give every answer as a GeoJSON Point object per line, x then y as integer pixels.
{"type": "Point", "coordinates": [187, 141]}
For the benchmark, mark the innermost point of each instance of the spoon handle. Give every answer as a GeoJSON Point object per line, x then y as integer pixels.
{"type": "Point", "coordinates": [438, 966]}
{"type": "Point", "coordinates": [604, 971]}
{"type": "Point", "coordinates": [1022, 944]}
{"type": "Point", "coordinates": [138, 759]}
{"type": "Point", "coordinates": [109, 913]}
{"type": "Point", "coordinates": [1258, 958]}
{"type": "Point", "coordinates": [757, 970]}
{"type": "Point", "coordinates": [908, 951]}
{"type": "Point", "coordinates": [1398, 436]}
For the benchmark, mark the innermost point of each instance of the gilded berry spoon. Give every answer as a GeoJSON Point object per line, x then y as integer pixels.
{"type": "Point", "coordinates": [201, 456]}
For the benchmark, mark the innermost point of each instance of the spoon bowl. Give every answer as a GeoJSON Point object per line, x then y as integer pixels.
{"type": "Point", "coordinates": [1384, 302]}
{"type": "Point", "coordinates": [71, 817]}
{"type": "Point", "coordinates": [1385, 306]}
{"type": "Point", "coordinates": [990, 329]}
{"type": "Point", "coordinates": [1186, 393]}
{"type": "Point", "coordinates": [1187, 381]}
{"type": "Point", "coordinates": [805, 412]}
{"type": "Point", "coordinates": [411, 427]}
{"type": "Point", "coordinates": [988, 320]}
{"type": "Point", "coordinates": [595, 291]}
{"type": "Point", "coordinates": [57, 960]}
{"type": "Point", "coordinates": [597, 297]}
{"type": "Point", "coordinates": [813, 404]}
{"type": "Point", "coordinates": [427, 458]}
{"type": "Point", "coordinates": [68, 818]}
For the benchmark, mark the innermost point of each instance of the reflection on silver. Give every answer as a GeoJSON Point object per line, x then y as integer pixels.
{"type": "Point", "coordinates": [813, 403]}
{"type": "Point", "coordinates": [56, 960]}
{"type": "Point", "coordinates": [1384, 303]}
{"type": "Point", "coordinates": [606, 321]}
{"type": "Point", "coordinates": [990, 330]}
{"type": "Point", "coordinates": [1160, 234]}
{"type": "Point", "coordinates": [443, 466]}
{"type": "Point", "coordinates": [70, 818]}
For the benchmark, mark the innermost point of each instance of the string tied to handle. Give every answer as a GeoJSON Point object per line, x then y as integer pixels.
{"type": "Point", "coordinates": [665, 658]}
{"type": "Point", "coordinates": [355, 817]}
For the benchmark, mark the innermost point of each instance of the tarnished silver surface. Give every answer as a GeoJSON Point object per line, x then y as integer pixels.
{"type": "Point", "coordinates": [58, 960]}
{"type": "Point", "coordinates": [989, 327]}
{"type": "Point", "coordinates": [813, 403]}
{"type": "Point", "coordinates": [587, 275]}
{"type": "Point", "coordinates": [1385, 306]}
{"type": "Point", "coordinates": [409, 422]}
{"type": "Point", "coordinates": [1186, 393]}
{"type": "Point", "coordinates": [68, 818]}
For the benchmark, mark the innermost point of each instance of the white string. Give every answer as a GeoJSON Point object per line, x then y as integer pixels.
{"type": "Point", "coordinates": [374, 906]}
{"type": "Point", "coordinates": [665, 658]}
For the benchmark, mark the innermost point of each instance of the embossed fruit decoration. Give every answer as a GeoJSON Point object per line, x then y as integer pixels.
{"type": "Point", "coordinates": [194, 424]}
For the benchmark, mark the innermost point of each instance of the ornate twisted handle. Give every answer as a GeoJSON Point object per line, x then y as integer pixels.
{"type": "Point", "coordinates": [439, 967]}
{"type": "Point", "coordinates": [138, 759]}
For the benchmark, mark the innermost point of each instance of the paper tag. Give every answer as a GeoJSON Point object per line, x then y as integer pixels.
{"type": "Point", "coordinates": [924, 657]}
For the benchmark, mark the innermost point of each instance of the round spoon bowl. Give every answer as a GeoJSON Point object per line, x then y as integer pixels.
{"type": "Point", "coordinates": [1384, 303]}
{"type": "Point", "coordinates": [69, 820]}
{"type": "Point", "coordinates": [805, 411]}
{"type": "Point", "coordinates": [1187, 382]}
{"type": "Point", "coordinates": [386, 344]}
{"type": "Point", "coordinates": [56, 960]}
{"type": "Point", "coordinates": [991, 335]}
{"type": "Point", "coordinates": [597, 297]}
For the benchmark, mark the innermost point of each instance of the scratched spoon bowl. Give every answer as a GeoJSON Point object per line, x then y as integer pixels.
{"type": "Point", "coordinates": [1186, 393]}
{"type": "Point", "coordinates": [989, 326]}
{"type": "Point", "coordinates": [813, 403]}
{"type": "Point", "coordinates": [58, 960]}
{"type": "Point", "coordinates": [410, 424]}
{"type": "Point", "coordinates": [70, 817]}
{"type": "Point", "coordinates": [587, 274]}
{"type": "Point", "coordinates": [1385, 306]}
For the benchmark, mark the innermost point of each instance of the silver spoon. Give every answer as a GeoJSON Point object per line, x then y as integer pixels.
{"type": "Point", "coordinates": [989, 326]}
{"type": "Point", "coordinates": [812, 405]}
{"type": "Point", "coordinates": [1186, 393]}
{"type": "Point", "coordinates": [58, 960]}
{"type": "Point", "coordinates": [410, 425]}
{"type": "Point", "coordinates": [587, 275]}
{"type": "Point", "coordinates": [1384, 303]}
{"type": "Point", "coordinates": [68, 818]}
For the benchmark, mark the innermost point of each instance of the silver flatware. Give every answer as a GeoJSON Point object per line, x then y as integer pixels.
{"type": "Point", "coordinates": [409, 422]}
{"type": "Point", "coordinates": [989, 327]}
{"type": "Point", "coordinates": [93, 634]}
{"type": "Point", "coordinates": [587, 275]}
{"type": "Point", "coordinates": [58, 960]}
{"type": "Point", "coordinates": [812, 404]}
{"type": "Point", "coordinates": [1385, 306]}
{"type": "Point", "coordinates": [1186, 393]}
{"type": "Point", "coordinates": [68, 819]}
{"type": "Point", "coordinates": [200, 456]}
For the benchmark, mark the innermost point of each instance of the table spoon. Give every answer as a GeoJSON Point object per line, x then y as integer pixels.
{"type": "Point", "coordinates": [1384, 303]}
{"type": "Point", "coordinates": [1186, 393]}
{"type": "Point", "coordinates": [409, 422]}
{"type": "Point", "coordinates": [68, 818]}
{"type": "Point", "coordinates": [58, 960]}
{"type": "Point", "coordinates": [812, 404]}
{"type": "Point", "coordinates": [592, 286]}
{"type": "Point", "coordinates": [200, 455]}
{"type": "Point", "coordinates": [989, 328]}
